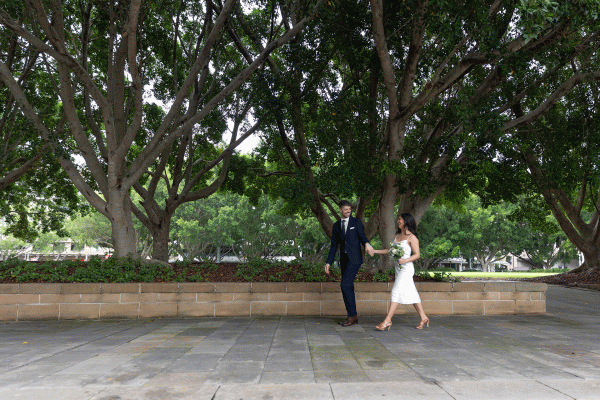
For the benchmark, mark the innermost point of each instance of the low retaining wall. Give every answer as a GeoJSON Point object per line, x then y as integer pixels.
{"type": "Point", "coordinates": [35, 301]}
{"type": "Point", "coordinates": [591, 286]}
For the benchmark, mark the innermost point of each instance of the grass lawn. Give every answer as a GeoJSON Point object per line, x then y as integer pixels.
{"type": "Point", "coordinates": [500, 275]}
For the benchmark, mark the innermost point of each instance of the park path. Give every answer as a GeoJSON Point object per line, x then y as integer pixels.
{"type": "Point", "coordinates": [552, 356]}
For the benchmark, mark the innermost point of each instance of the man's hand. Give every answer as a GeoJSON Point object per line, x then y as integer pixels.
{"type": "Point", "coordinates": [327, 269]}
{"type": "Point", "coordinates": [369, 249]}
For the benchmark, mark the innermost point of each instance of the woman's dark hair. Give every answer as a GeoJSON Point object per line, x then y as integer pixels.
{"type": "Point", "coordinates": [410, 223]}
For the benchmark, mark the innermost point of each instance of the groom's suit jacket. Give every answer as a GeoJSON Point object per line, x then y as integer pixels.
{"type": "Point", "coordinates": [348, 243]}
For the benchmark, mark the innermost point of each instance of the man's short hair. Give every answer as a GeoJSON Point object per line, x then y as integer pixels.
{"type": "Point", "coordinates": [344, 203]}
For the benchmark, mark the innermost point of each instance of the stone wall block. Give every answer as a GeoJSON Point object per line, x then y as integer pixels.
{"type": "Point", "coordinates": [468, 307]}
{"type": "Point", "coordinates": [435, 286]}
{"type": "Point", "coordinates": [484, 295]}
{"type": "Point", "coordinates": [405, 309]}
{"type": "Point", "coordinates": [268, 308]}
{"type": "Point", "coordinates": [269, 287]}
{"type": "Point", "coordinates": [196, 287]}
{"type": "Point", "coordinates": [232, 308]}
{"type": "Point", "coordinates": [438, 307]}
{"type": "Point", "coordinates": [286, 297]}
{"type": "Point", "coordinates": [120, 288]}
{"type": "Point", "coordinates": [176, 297]}
{"type": "Point", "coordinates": [499, 307]}
{"type": "Point", "coordinates": [499, 287]}
{"type": "Point", "coordinates": [79, 311]}
{"type": "Point", "coordinates": [303, 287]}
{"type": "Point", "coordinates": [467, 286]}
{"type": "Point", "coordinates": [194, 310]}
{"type": "Point", "coordinates": [330, 296]}
{"type": "Point", "coordinates": [530, 307]}
{"type": "Point", "coordinates": [303, 308]}
{"type": "Point", "coordinates": [81, 288]}
{"type": "Point", "coordinates": [37, 311]}
{"type": "Point", "coordinates": [9, 288]}
{"type": "Point", "coordinates": [8, 312]}
{"type": "Point", "coordinates": [152, 287]}
{"type": "Point", "coordinates": [371, 287]}
{"type": "Point", "coordinates": [378, 308]}
{"type": "Point", "coordinates": [19, 298]}
{"type": "Point", "coordinates": [233, 287]}
{"type": "Point", "coordinates": [333, 308]}
{"type": "Point", "coordinates": [39, 288]}
{"type": "Point", "coordinates": [101, 298]}
{"type": "Point", "coordinates": [139, 298]}
{"type": "Point", "coordinates": [60, 298]}
{"type": "Point", "coordinates": [330, 287]}
{"type": "Point", "coordinates": [530, 287]}
{"type": "Point", "coordinates": [148, 310]}
{"type": "Point", "coordinates": [114, 310]}
{"type": "Point", "coordinates": [251, 296]}
{"type": "Point", "coordinates": [211, 297]}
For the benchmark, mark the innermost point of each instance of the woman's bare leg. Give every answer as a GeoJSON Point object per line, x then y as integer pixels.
{"type": "Point", "coordinates": [391, 312]}
{"type": "Point", "coordinates": [424, 319]}
{"type": "Point", "coordinates": [420, 311]}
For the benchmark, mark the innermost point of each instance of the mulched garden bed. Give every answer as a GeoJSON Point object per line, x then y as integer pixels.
{"type": "Point", "coordinates": [570, 279]}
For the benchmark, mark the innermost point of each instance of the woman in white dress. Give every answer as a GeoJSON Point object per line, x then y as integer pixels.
{"type": "Point", "coordinates": [404, 290]}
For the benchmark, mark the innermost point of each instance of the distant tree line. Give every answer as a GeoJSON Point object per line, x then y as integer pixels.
{"type": "Point", "coordinates": [227, 224]}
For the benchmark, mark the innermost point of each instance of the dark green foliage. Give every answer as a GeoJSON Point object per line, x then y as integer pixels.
{"type": "Point", "coordinates": [24, 271]}
{"type": "Point", "coordinates": [436, 276]}
{"type": "Point", "coordinates": [40, 202]}
{"type": "Point", "coordinates": [385, 276]}
{"type": "Point", "coordinates": [122, 270]}
{"type": "Point", "coordinates": [96, 270]}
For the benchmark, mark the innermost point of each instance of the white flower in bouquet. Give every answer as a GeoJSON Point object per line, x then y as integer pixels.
{"type": "Point", "coordinates": [396, 251]}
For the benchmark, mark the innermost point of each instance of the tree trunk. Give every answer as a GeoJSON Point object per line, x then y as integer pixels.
{"type": "Point", "coordinates": [484, 261]}
{"type": "Point", "coordinates": [591, 261]}
{"type": "Point", "coordinates": [160, 240]}
{"type": "Point", "coordinates": [387, 219]}
{"type": "Point", "coordinates": [123, 232]}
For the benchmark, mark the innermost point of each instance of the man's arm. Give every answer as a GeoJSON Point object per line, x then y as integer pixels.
{"type": "Point", "coordinates": [363, 238]}
{"type": "Point", "coordinates": [332, 249]}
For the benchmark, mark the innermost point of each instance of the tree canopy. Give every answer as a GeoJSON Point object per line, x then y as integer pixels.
{"type": "Point", "coordinates": [407, 99]}
{"type": "Point", "coordinates": [103, 56]}
{"type": "Point", "coordinates": [386, 103]}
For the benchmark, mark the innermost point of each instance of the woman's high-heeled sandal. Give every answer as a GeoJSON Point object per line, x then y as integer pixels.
{"type": "Point", "coordinates": [423, 323]}
{"type": "Point", "coordinates": [382, 326]}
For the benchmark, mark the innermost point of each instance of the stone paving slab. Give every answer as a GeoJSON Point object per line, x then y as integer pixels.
{"type": "Point", "coordinates": [552, 356]}
{"type": "Point", "coordinates": [502, 389]}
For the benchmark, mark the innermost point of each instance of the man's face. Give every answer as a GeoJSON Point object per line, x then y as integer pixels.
{"type": "Point", "coordinates": [345, 211]}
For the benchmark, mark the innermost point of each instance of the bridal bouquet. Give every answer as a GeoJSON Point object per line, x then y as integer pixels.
{"type": "Point", "coordinates": [396, 251]}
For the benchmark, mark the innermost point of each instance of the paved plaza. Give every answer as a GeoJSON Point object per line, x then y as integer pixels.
{"type": "Point", "coordinates": [553, 356]}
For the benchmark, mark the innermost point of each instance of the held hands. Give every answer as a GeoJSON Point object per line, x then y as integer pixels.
{"type": "Point", "coordinates": [369, 249]}
{"type": "Point", "coordinates": [327, 269]}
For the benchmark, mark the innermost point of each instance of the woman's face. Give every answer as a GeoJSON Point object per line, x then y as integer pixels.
{"type": "Point", "coordinates": [400, 223]}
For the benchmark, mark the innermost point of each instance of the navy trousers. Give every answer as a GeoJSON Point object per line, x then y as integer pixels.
{"type": "Point", "coordinates": [349, 272]}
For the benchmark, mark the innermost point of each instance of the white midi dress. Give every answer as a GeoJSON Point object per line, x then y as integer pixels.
{"type": "Point", "coordinates": [404, 290]}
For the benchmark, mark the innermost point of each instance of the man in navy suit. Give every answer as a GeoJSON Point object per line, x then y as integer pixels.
{"type": "Point", "coordinates": [348, 233]}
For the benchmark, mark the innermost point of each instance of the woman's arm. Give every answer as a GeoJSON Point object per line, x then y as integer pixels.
{"type": "Point", "coordinates": [382, 251]}
{"type": "Point", "coordinates": [413, 242]}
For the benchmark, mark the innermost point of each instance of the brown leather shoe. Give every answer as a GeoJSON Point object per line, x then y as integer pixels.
{"type": "Point", "coordinates": [350, 321]}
